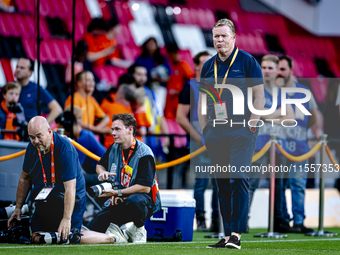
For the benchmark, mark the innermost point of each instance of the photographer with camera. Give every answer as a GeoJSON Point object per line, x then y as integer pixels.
{"type": "Point", "coordinates": [51, 164]}
{"type": "Point", "coordinates": [12, 115]}
{"type": "Point", "coordinates": [128, 172]}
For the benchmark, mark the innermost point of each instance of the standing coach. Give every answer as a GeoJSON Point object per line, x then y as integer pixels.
{"type": "Point", "coordinates": [230, 145]}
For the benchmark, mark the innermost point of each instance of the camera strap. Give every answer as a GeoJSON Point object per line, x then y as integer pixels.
{"type": "Point", "coordinates": [126, 169]}
{"type": "Point", "coordinates": [52, 165]}
{"type": "Point", "coordinates": [226, 74]}
{"type": "Point", "coordinates": [132, 148]}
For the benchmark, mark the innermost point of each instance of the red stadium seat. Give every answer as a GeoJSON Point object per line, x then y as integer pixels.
{"type": "Point", "coordinates": [107, 74]}
{"type": "Point", "coordinates": [186, 56]}
{"type": "Point", "coordinates": [29, 46]}
{"type": "Point", "coordinates": [123, 12]}
{"type": "Point", "coordinates": [104, 6]}
{"type": "Point", "coordinates": [45, 53]}
{"type": "Point", "coordinates": [25, 6]}
{"type": "Point", "coordinates": [4, 28]}
{"type": "Point", "coordinates": [80, 28]}
{"type": "Point", "coordinates": [130, 51]}
{"type": "Point", "coordinates": [319, 88]}
{"type": "Point", "coordinates": [7, 69]}
{"type": "Point", "coordinates": [11, 24]}
{"type": "Point", "coordinates": [334, 66]}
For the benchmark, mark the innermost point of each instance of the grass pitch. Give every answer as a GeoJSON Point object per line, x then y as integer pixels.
{"type": "Point", "coordinates": [293, 244]}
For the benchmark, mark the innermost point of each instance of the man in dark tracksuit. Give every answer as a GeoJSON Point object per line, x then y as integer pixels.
{"type": "Point", "coordinates": [231, 144]}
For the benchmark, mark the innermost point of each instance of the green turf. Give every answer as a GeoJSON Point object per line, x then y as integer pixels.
{"type": "Point", "coordinates": [293, 244]}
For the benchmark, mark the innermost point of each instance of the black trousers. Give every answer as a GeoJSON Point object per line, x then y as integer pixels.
{"type": "Point", "coordinates": [137, 208]}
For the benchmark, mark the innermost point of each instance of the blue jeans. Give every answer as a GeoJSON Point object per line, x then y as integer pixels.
{"type": "Point", "coordinates": [297, 182]}
{"type": "Point", "coordinates": [233, 149]}
{"type": "Point", "coordinates": [137, 208]}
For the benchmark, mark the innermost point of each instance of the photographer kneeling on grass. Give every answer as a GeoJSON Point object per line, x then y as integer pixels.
{"type": "Point", "coordinates": [132, 187]}
{"type": "Point", "coordinates": [51, 164]}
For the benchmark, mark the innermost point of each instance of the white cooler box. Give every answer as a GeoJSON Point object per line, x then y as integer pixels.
{"type": "Point", "coordinates": [175, 221]}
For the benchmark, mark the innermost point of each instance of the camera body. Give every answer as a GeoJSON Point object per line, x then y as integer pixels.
{"type": "Point", "coordinates": [19, 121]}
{"type": "Point", "coordinates": [96, 190]}
{"type": "Point", "coordinates": [14, 234]}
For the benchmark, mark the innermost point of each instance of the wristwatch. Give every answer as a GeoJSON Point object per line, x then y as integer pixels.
{"type": "Point", "coordinates": [120, 193]}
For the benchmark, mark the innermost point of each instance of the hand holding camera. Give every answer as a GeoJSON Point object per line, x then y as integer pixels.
{"type": "Point", "coordinates": [105, 176]}
{"type": "Point", "coordinates": [97, 190]}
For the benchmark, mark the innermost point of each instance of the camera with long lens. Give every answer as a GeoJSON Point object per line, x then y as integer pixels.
{"type": "Point", "coordinates": [54, 238]}
{"type": "Point", "coordinates": [15, 234]}
{"type": "Point", "coordinates": [96, 190]}
{"type": "Point", "coordinates": [6, 212]}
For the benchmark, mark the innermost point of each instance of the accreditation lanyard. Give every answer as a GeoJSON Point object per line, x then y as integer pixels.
{"type": "Point", "coordinates": [130, 153]}
{"type": "Point", "coordinates": [52, 165]}
{"type": "Point", "coordinates": [226, 74]}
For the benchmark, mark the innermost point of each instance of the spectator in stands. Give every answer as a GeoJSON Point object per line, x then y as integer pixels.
{"type": "Point", "coordinates": [7, 5]}
{"type": "Point", "coordinates": [12, 115]}
{"type": "Point", "coordinates": [188, 119]}
{"type": "Point", "coordinates": [180, 74]}
{"type": "Point", "coordinates": [139, 112]}
{"type": "Point", "coordinates": [154, 111]}
{"type": "Point", "coordinates": [28, 95]}
{"type": "Point", "coordinates": [102, 47]}
{"type": "Point", "coordinates": [269, 67]}
{"type": "Point", "coordinates": [297, 145]}
{"type": "Point", "coordinates": [85, 138]}
{"type": "Point", "coordinates": [152, 57]}
{"type": "Point", "coordinates": [157, 67]}
{"type": "Point", "coordinates": [94, 119]}
{"type": "Point", "coordinates": [125, 97]}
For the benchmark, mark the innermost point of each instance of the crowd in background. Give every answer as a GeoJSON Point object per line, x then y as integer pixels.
{"type": "Point", "coordinates": [149, 89]}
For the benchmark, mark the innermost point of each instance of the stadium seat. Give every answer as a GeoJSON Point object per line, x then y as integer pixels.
{"type": "Point", "coordinates": [130, 51]}
{"type": "Point", "coordinates": [144, 14]}
{"type": "Point", "coordinates": [107, 74]}
{"type": "Point", "coordinates": [105, 9]}
{"type": "Point", "coordinates": [3, 79]}
{"type": "Point", "coordinates": [79, 26]}
{"type": "Point", "coordinates": [189, 37]}
{"type": "Point", "coordinates": [7, 69]}
{"type": "Point", "coordinates": [25, 6]}
{"type": "Point", "coordinates": [11, 24]}
{"type": "Point", "coordinates": [125, 36]}
{"type": "Point", "coordinates": [334, 65]}
{"type": "Point", "coordinates": [319, 88]}
{"type": "Point", "coordinates": [29, 47]}
{"type": "Point", "coordinates": [141, 32]}
{"type": "Point", "coordinates": [94, 9]}
{"type": "Point", "coordinates": [187, 57]}
{"type": "Point", "coordinates": [123, 12]}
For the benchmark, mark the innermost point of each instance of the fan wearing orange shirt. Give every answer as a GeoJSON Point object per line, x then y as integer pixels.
{"type": "Point", "coordinates": [139, 109]}
{"type": "Point", "coordinates": [94, 118]}
{"type": "Point", "coordinates": [125, 97]}
{"type": "Point", "coordinates": [102, 47]}
{"type": "Point", "coordinates": [180, 74]}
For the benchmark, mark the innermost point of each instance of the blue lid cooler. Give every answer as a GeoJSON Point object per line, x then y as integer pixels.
{"type": "Point", "coordinates": [175, 221]}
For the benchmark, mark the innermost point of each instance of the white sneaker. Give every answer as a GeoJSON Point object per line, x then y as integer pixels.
{"type": "Point", "coordinates": [114, 231]}
{"type": "Point", "coordinates": [135, 235]}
